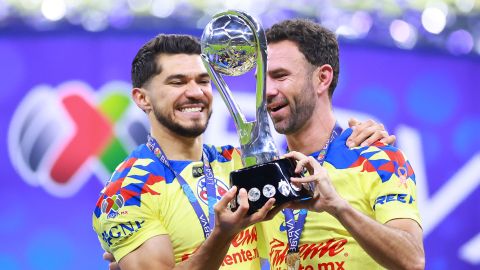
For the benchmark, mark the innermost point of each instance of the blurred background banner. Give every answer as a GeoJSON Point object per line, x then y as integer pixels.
{"type": "Point", "coordinates": [68, 119]}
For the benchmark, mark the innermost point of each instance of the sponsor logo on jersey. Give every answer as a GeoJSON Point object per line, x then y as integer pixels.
{"type": "Point", "coordinates": [121, 230]}
{"type": "Point", "coordinates": [402, 198]}
{"type": "Point", "coordinates": [311, 251]}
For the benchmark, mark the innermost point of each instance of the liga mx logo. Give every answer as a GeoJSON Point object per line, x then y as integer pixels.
{"type": "Point", "coordinates": [58, 138]}
{"type": "Point", "coordinates": [111, 205]}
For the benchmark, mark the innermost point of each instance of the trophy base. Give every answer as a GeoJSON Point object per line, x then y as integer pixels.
{"type": "Point", "coordinates": [268, 180]}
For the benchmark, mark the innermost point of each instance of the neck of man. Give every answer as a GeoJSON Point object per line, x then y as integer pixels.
{"type": "Point", "coordinates": [315, 133]}
{"type": "Point", "coordinates": [176, 146]}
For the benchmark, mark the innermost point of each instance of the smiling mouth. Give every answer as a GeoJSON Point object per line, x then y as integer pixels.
{"type": "Point", "coordinates": [274, 109]}
{"type": "Point", "coordinates": [193, 109]}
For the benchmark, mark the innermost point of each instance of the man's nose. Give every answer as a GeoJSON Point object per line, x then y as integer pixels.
{"type": "Point", "coordinates": [194, 90]}
{"type": "Point", "coordinates": [270, 89]}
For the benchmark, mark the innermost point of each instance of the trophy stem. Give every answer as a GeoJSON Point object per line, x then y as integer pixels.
{"type": "Point", "coordinates": [255, 137]}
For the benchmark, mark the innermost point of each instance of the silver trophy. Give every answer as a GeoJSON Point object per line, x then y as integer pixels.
{"type": "Point", "coordinates": [232, 44]}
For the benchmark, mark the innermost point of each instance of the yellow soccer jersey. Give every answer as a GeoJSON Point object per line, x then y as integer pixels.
{"type": "Point", "coordinates": [143, 199]}
{"type": "Point", "coordinates": [376, 180]}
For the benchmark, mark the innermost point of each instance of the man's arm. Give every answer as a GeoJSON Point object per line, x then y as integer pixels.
{"type": "Point", "coordinates": [396, 244]}
{"type": "Point", "coordinates": [157, 252]}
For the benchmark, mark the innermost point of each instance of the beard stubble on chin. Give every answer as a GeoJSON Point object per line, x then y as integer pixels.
{"type": "Point", "coordinates": [300, 113]}
{"type": "Point", "coordinates": [191, 132]}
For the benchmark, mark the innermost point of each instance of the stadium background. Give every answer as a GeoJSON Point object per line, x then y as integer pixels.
{"type": "Point", "coordinates": [67, 119]}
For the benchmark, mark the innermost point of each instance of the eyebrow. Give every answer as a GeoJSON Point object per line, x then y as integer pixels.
{"type": "Point", "coordinates": [183, 76]}
{"type": "Point", "coordinates": [277, 70]}
{"type": "Point", "coordinates": [203, 75]}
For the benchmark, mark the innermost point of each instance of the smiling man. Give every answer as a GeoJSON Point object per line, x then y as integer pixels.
{"type": "Point", "coordinates": [163, 206]}
{"type": "Point", "coordinates": [364, 213]}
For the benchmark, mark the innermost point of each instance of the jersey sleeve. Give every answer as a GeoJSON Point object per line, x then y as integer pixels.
{"type": "Point", "coordinates": [231, 154]}
{"type": "Point", "coordinates": [128, 212]}
{"type": "Point", "coordinates": [394, 195]}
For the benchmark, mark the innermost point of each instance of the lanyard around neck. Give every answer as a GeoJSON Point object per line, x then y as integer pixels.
{"type": "Point", "coordinates": [207, 224]}
{"type": "Point", "coordinates": [295, 228]}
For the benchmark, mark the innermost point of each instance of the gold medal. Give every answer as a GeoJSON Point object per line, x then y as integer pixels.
{"type": "Point", "coordinates": [293, 260]}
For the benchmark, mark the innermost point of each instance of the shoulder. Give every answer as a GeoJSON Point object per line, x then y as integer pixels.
{"type": "Point", "coordinates": [222, 153]}
{"type": "Point", "coordinates": [386, 160]}
{"type": "Point", "coordinates": [139, 165]}
{"type": "Point", "coordinates": [137, 175]}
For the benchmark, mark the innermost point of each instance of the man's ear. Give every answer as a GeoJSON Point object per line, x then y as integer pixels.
{"type": "Point", "coordinates": [323, 77]}
{"type": "Point", "coordinates": [139, 95]}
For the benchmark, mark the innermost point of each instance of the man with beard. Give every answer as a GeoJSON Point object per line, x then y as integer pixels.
{"type": "Point", "coordinates": [363, 213]}
{"type": "Point", "coordinates": [157, 210]}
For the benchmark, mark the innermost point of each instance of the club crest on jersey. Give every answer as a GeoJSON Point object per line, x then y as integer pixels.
{"type": "Point", "coordinates": [221, 189]}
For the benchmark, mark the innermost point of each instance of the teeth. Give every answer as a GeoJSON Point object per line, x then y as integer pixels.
{"type": "Point", "coordinates": [197, 109]}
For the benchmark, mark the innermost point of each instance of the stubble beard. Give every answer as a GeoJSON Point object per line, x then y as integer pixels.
{"type": "Point", "coordinates": [191, 132]}
{"type": "Point", "coordinates": [300, 113]}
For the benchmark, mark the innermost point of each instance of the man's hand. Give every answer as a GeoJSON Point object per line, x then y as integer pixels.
{"type": "Point", "coordinates": [368, 132]}
{"type": "Point", "coordinates": [231, 223]}
{"type": "Point", "coordinates": [157, 252]}
{"type": "Point", "coordinates": [325, 197]}
{"type": "Point", "coordinates": [113, 265]}
{"type": "Point", "coordinates": [395, 245]}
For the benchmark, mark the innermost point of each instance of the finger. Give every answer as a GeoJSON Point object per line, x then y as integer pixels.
{"type": "Point", "coordinates": [372, 128]}
{"type": "Point", "coordinates": [297, 185]}
{"type": "Point", "coordinates": [274, 211]}
{"type": "Point", "coordinates": [390, 140]}
{"type": "Point", "coordinates": [227, 197]}
{"type": "Point", "coordinates": [352, 122]}
{"type": "Point", "coordinates": [304, 180]}
{"type": "Point", "coordinates": [353, 140]}
{"type": "Point", "coordinates": [377, 135]}
{"type": "Point", "coordinates": [357, 135]}
{"type": "Point", "coordinates": [300, 165]}
{"type": "Point", "coordinates": [108, 257]}
{"type": "Point", "coordinates": [310, 163]}
{"type": "Point", "coordinates": [363, 135]}
{"type": "Point", "coordinates": [262, 212]}
{"type": "Point", "coordinates": [243, 203]}
{"type": "Point", "coordinates": [295, 155]}
{"type": "Point", "coordinates": [113, 266]}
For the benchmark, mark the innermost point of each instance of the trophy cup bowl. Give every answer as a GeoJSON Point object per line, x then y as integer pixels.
{"type": "Point", "coordinates": [229, 44]}
{"type": "Point", "coordinates": [232, 44]}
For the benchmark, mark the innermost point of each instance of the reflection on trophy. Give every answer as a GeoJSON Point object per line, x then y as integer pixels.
{"type": "Point", "coordinates": [232, 44]}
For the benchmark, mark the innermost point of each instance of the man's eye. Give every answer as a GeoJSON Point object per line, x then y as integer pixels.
{"type": "Point", "coordinates": [176, 83]}
{"type": "Point", "coordinates": [204, 82]}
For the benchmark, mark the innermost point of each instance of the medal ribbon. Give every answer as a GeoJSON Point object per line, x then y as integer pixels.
{"type": "Point", "coordinates": [207, 224]}
{"type": "Point", "coordinates": [295, 228]}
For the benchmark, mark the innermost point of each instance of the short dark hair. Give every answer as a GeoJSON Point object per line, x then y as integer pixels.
{"type": "Point", "coordinates": [144, 65]}
{"type": "Point", "coordinates": [318, 44]}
